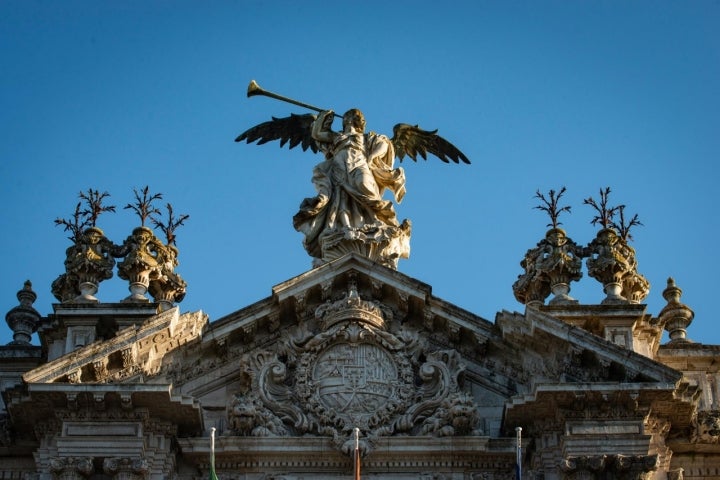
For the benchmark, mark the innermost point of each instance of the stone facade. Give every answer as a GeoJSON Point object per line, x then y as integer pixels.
{"type": "Point", "coordinates": [132, 390]}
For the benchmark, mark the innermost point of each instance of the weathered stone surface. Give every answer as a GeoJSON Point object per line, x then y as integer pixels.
{"type": "Point", "coordinates": [436, 391]}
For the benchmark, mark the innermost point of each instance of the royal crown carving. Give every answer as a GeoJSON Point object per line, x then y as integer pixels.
{"type": "Point", "coordinates": [351, 306]}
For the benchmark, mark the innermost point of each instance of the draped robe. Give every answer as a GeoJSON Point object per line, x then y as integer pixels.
{"type": "Point", "coordinates": [350, 185]}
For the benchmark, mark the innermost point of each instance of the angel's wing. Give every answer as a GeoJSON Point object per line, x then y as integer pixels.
{"type": "Point", "coordinates": [294, 130]}
{"type": "Point", "coordinates": [410, 140]}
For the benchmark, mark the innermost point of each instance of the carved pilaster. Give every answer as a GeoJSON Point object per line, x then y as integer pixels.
{"type": "Point", "coordinates": [125, 468]}
{"type": "Point", "coordinates": [71, 468]}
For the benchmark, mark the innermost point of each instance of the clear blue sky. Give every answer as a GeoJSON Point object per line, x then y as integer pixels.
{"type": "Point", "coordinates": [119, 95]}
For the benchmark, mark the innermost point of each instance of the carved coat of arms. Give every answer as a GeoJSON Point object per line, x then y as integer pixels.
{"type": "Point", "coordinates": [348, 371]}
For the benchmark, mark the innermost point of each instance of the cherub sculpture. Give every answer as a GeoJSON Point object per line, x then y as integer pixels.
{"type": "Point", "coordinates": [349, 212]}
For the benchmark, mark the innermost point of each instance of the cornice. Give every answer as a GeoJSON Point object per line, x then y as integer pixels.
{"type": "Point", "coordinates": [155, 338]}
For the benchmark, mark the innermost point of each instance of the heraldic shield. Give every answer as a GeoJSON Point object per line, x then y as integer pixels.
{"type": "Point", "coordinates": [345, 370]}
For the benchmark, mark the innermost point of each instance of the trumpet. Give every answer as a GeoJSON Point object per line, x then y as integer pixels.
{"type": "Point", "coordinates": [255, 89]}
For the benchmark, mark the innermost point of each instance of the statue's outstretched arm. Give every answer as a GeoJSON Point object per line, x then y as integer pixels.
{"type": "Point", "coordinates": [321, 128]}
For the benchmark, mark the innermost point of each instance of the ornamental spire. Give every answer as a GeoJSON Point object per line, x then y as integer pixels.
{"type": "Point", "coordinates": [676, 316]}
{"type": "Point", "coordinates": [23, 320]}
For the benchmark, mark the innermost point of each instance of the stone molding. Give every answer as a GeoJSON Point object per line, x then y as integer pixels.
{"type": "Point", "coordinates": [392, 457]}
{"type": "Point", "coordinates": [543, 321]}
{"type": "Point", "coordinates": [118, 357]}
{"type": "Point", "coordinates": [601, 467]}
{"type": "Point", "coordinates": [49, 406]}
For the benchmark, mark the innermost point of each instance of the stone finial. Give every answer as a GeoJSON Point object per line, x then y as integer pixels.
{"type": "Point", "coordinates": [561, 261]}
{"type": "Point", "coordinates": [88, 262]}
{"type": "Point", "coordinates": [611, 260]}
{"type": "Point", "coordinates": [140, 265]}
{"type": "Point", "coordinates": [23, 320]}
{"type": "Point", "coordinates": [549, 267]}
{"type": "Point", "coordinates": [149, 266]}
{"type": "Point", "coordinates": [676, 316]}
{"type": "Point", "coordinates": [607, 264]}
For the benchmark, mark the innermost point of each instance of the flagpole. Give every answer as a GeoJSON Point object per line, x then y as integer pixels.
{"type": "Point", "coordinates": [213, 475]}
{"type": "Point", "coordinates": [518, 453]}
{"type": "Point", "coordinates": [357, 454]}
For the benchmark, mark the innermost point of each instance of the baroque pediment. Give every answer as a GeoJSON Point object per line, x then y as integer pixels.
{"type": "Point", "coordinates": [342, 362]}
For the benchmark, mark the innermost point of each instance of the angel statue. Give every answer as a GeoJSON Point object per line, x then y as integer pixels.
{"type": "Point", "coordinates": [349, 212]}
